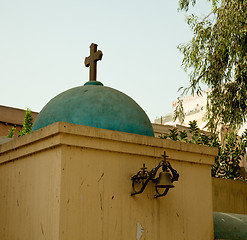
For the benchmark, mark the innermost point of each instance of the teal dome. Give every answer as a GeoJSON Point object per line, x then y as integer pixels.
{"type": "Point", "coordinates": [98, 106]}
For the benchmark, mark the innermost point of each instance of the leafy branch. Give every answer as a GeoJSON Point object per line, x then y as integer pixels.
{"type": "Point", "coordinates": [217, 56]}
{"type": "Point", "coordinates": [27, 125]}
{"type": "Point", "coordinates": [230, 151]}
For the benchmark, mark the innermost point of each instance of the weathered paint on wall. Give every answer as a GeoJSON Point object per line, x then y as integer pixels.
{"type": "Point", "coordinates": [68, 181]}
{"type": "Point", "coordinates": [29, 197]}
{"type": "Point", "coordinates": [139, 231]}
{"type": "Point", "coordinates": [229, 196]}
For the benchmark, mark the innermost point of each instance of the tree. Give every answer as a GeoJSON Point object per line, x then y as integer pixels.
{"type": "Point", "coordinates": [217, 56]}
{"type": "Point", "coordinates": [27, 124]}
{"type": "Point", "coordinates": [229, 154]}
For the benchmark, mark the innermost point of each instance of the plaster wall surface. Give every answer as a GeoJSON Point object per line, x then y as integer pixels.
{"type": "Point", "coordinates": [67, 181]}
{"type": "Point", "coordinates": [229, 196]}
{"type": "Point", "coordinates": [30, 196]}
{"type": "Point", "coordinates": [4, 140]}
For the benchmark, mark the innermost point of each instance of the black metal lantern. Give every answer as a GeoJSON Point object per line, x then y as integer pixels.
{"type": "Point", "coordinates": [164, 182]}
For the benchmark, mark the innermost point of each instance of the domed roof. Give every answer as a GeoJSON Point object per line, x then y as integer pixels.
{"type": "Point", "coordinates": [98, 106]}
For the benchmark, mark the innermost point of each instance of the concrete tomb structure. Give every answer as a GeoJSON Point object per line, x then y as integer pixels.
{"type": "Point", "coordinates": [68, 181]}
{"type": "Point", "coordinates": [71, 177]}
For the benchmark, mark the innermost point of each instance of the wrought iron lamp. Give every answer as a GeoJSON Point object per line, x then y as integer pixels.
{"type": "Point", "coordinates": [165, 180]}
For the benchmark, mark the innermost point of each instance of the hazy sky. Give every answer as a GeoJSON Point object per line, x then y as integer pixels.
{"type": "Point", "coordinates": [43, 45]}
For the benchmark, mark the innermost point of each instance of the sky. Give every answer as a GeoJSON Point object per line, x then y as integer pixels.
{"type": "Point", "coordinates": [43, 45]}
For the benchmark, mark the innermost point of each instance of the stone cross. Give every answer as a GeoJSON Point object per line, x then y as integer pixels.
{"type": "Point", "coordinates": [91, 61]}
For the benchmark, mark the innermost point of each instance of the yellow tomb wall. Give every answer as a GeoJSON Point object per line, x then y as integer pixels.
{"type": "Point", "coordinates": [68, 181]}
{"type": "Point", "coordinates": [229, 196]}
{"type": "Point", "coordinates": [29, 196]}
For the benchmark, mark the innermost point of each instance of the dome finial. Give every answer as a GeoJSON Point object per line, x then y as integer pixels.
{"type": "Point", "coordinates": [91, 61]}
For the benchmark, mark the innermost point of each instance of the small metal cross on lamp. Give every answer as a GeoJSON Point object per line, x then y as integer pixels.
{"type": "Point", "coordinates": [165, 180]}
{"type": "Point", "coordinates": [91, 61]}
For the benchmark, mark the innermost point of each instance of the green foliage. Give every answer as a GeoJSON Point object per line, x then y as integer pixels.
{"type": "Point", "coordinates": [195, 132]}
{"type": "Point", "coordinates": [182, 136]}
{"type": "Point", "coordinates": [217, 56]}
{"type": "Point", "coordinates": [11, 133]}
{"type": "Point", "coordinates": [230, 152]}
{"type": "Point", "coordinates": [28, 123]}
{"type": "Point", "coordinates": [173, 134]}
{"type": "Point", "coordinates": [185, 4]}
{"type": "Point", "coordinates": [179, 111]}
{"type": "Point", "coordinates": [227, 162]}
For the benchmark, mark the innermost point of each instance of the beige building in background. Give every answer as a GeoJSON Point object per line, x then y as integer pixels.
{"type": "Point", "coordinates": [194, 109]}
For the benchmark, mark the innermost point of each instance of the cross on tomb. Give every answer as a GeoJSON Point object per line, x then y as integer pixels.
{"type": "Point", "coordinates": [91, 61]}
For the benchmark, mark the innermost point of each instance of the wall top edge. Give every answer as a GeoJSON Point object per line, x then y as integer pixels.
{"type": "Point", "coordinates": [92, 132]}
